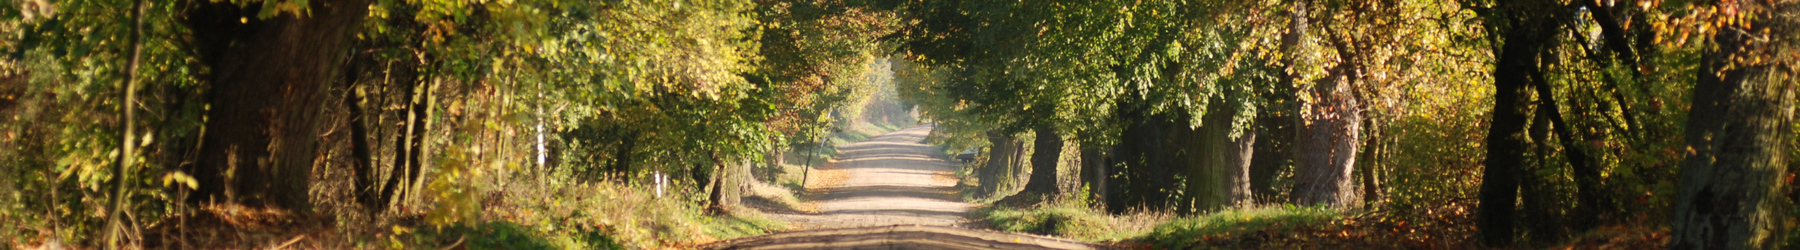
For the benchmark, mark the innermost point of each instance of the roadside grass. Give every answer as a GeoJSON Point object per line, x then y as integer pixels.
{"type": "Point", "coordinates": [1265, 227]}
{"type": "Point", "coordinates": [1069, 216]}
{"type": "Point", "coordinates": [1232, 228]}
{"type": "Point", "coordinates": [1240, 227]}
{"type": "Point", "coordinates": [595, 215]}
{"type": "Point", "coordinates": [1072, 220]}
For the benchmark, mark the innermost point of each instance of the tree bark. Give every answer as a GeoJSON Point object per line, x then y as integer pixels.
{"type": "Point", "coordinates": [729, 183]}
{"type": "Point", "coordinates": [1001, 149]}
{"type": "Point", "coordinates": [1524, 39]}
{"type": "Point", "coordinates": [1370, 169]}
{"type": "Point", "coordinates": [1220, 175]}
{"type": "Point", "coordinates": [1737, 135]}
{"type": "Point", "coordinates": [1094, 171]}
{"type": "Point", "coordinates": [1046, 149]}
{"type": "Point", "coordinates": [1328, 145]}
{"type": "Point", "coordinates": [269, 81]}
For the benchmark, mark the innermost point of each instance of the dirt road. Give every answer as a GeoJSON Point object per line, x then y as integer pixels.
{"type": "Point", "coordinates": [890, 179]}
{"type": "Point", "coordinates": [889, 192]}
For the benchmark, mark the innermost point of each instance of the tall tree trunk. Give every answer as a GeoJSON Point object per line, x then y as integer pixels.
{"type": "Point", "coordinates": [1219, 176]}
{"type": "Point", "coordinates": [1094, 171]}
{"type": "Point", "coordinates": [1524, 38]}
{"type": "Point", "coordinates": [1737, 134]}
{"type": "Point", "coordinates": [729, 181]}
{"type": "Point", "coordinates": [269, 81]}
{"type": "Point", "coordinates": [1001, 149]}
{"type": "Point", "coordinates": [1327, 145]}
{"type": "Point", "coordinates": [1370, 169]}
{"type": "Point", "coordinates": [715, 187]}
{"type": "Point", "coordinates": [1046, 150]}
{"type": "Point", "coordinates": [1294, 131]}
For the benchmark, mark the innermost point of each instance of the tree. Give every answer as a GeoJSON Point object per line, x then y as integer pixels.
{"type": "Point", "coordinates": [1521, 31]}
{"type": "Point", "coordinates": [1737, 131]}
{"type": "Point", "coordinates": [264, 119]}
{"type": "Point", "coordinates": [1329, 126]}
{"type": "Point", "coordinates": [1046, 152]}
{"type": "Point", "coordinates": [1221, 177]}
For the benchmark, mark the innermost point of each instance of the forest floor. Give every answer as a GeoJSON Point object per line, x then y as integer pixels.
{"type": "Point", "coordinates": [888, 190]}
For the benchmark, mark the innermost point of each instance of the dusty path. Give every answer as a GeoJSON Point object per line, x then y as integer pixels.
{"type": "Point", "coordinates": [890, 179]}
{"type": "Point", "coordinates": [889, 192]}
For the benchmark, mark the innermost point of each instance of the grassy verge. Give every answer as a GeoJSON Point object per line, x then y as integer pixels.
{"type": "Point", "coordinates": [1261, 227]}
{"type": "Point", "coordinates": [1241, 227]}
{"type": "Point", "coordinates": [1070, 218]}
{"type": "Point", "coordinates": [603, 215]}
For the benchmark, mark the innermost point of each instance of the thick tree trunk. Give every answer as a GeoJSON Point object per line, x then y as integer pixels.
{"type": "Point", "coordinates": [729, 181]}
{"type": "Point", "coordinates": [715, 187]}
{"type": "Point", "coordinates": [1517, 59]}
{"type": "Point", "coordinates": [1094, 171]}
{"type": "Point", "coordinates": [269, 81]}
{"type": "Point", "coordinates": [1046, 150]}
{"type": "Point", "coordinates": [1220, 177]}
{"type": "Point", "coordinates": [1328, 146]}
{"type": "Point", "coordinates": [1001, 149]}
{"type": "Point", "coordinates": [1737, 135]}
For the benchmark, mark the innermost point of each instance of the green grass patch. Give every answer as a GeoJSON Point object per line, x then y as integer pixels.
{"type": "Point", "coordinates": [1187, 231]}
{"type": "Point", "coordinates": [1070, 218]}
{"type": "Point", "coordinates": [1070, 222]}
{"type": "Point", "coordinates": [1075, 219]}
